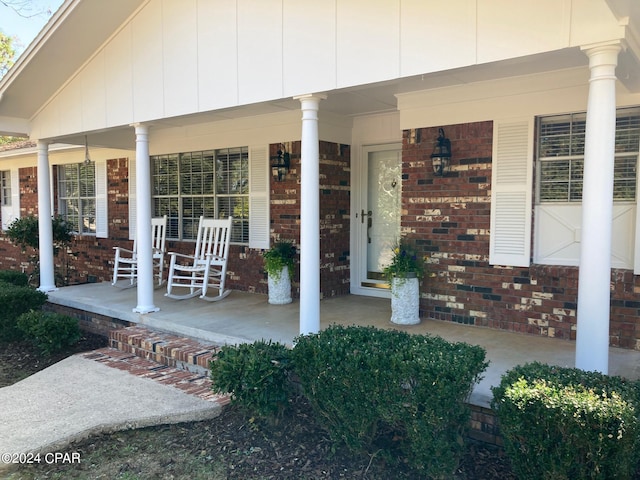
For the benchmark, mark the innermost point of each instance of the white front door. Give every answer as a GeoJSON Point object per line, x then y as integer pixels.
{"type": "Point", "coordinates": [377, 216]}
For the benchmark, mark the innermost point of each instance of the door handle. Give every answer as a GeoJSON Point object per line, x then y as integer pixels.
{"type": "Point", "coordinates": [369, 224]}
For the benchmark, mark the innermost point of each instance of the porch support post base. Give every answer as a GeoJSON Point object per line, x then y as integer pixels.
{"type": "Point", "coordinates": [143, 309]}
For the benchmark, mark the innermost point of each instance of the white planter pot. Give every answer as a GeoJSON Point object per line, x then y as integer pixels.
{"type": "Point", "coordinates": [405, 301]}
{"type": "Point", "coordinates": [280, 288]}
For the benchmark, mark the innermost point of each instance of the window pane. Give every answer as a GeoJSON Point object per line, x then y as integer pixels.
{"type": "Point", "coordinates": [165, 175]}
{"type": "Point", "coordinates": [558, 192]}
{"type": "Point", "coordinates": [87, 180]}
{"type": "Point", "coordinates": [554, 180]}
{"type": "Point", "coordinates": [189, 182]}
{"type": "Point", "coordinates": [564, 135]}
{"type": "Point", "coordinates": [77, 196]}
{"type": "Point", "coordinates": [169, 207]}
{"type": "Point", "coordinates": [5, 185]}
{"type": "Point", "coordinates": [238, 207]}
{"type": "Point", "coordinates": [88, 209]}
{"type": "Point", "coordinates": [628, 131]}
{"type": "Point", "coordinates": [624, 174]}
{"type": "Point", "coordinates": [70, 210]}
{"type": "Point", "coordinates": [233, 171]}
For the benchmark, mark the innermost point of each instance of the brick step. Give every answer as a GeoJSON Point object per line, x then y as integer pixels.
{"type": "Point", "coordinates": [164, 348]}
{"type": "Point", "coordinates": [193, 383]}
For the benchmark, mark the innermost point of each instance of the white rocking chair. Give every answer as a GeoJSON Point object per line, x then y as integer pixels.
{"type": "Point", "coordinates": [207, 268]}
{"type": "Point", "coordinates": [125, 265]}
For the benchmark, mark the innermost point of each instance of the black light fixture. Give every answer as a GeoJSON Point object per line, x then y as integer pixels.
{"type": "Point", "coordinates": [280, 164]}
{"type": "Point", "coordinates": [441, 156]}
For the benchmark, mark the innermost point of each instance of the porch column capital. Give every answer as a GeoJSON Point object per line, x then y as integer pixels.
{"type": "Point", "coordinates": [143, 222]}
{"type": "Point", "coordinates": [310, 99]}
{"type": "Point", "coordinates": [592, 336]}
{"type": "Point", "coordinates": [141, 129]}
{"type": "Point", "coordinates": [45, 227]}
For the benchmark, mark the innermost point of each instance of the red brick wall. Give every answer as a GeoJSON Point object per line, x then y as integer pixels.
{"type": "Point", "coordinates": [449, 217]}
{"type": "Point", "coordinates": [92, 258]}
{"type": "Point", "coordinates": [334, 213]}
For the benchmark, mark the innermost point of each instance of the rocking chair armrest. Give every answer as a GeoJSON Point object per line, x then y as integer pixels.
{"type": "Point", "coordinates": [176, 254]}
{"type": "Point", "coordinates": [122, 249]}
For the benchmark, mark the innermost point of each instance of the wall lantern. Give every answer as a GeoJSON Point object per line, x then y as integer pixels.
{"type": "Point", "coordinates": [280, 164]}
{"type": "Point", "coordinates": [441, 156]}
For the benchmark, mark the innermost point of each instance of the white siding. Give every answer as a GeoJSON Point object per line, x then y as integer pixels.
{"type": "Point", "coordinates": [119, 88]}
{"type": "Point", "coordinates": [179, 57]}
{"type": "Point", "coordinates": [309, 46]}
{"type": "Point", "coordinates": [421, 40]}
{"type": "Point", "coordinates": [259, 50]}
{"type": "Point", "coordinates": [217, 54]}
{"type": "Point", "coordinates": [93, 83]}
{"type": "Point", "coordinates": [505, 31]}
{"type": "Point", "coordinates": [365, 27]}
{"type": "Point", "coordinates": [147, 59]}
{"type": "Point", "coordinates": [173, 58]}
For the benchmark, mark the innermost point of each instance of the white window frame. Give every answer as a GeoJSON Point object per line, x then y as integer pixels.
{"type": "Point", "coordinates": [10, 205]}
{"type": "Point", "coordinates": [101, 218]}
{"type": "Point", "coordinates": [258, 221]}
{"type": "Point", "coordinates": [557, 229]}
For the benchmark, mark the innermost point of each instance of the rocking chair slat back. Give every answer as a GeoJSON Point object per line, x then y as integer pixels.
{"type": "Point", "coordinates": [207, 268]}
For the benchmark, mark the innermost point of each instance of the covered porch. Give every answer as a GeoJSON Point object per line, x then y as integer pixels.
{"type": "Point", "coordinates": [246, 317]}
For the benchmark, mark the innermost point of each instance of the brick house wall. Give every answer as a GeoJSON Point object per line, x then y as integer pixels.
{"type": "Point", "coordinates": [91, 258]}
{"type": "Point", "coordinates": [449, 218]}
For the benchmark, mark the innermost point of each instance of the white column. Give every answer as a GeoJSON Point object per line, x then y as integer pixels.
{"type": "Point", "coordinates": [143, 222]}
{"type": "Point", "coordinates": [310, 216]}
{"type": "Point", "coordinates": [592, 341]}
{"type": "Point", "coordinates": [45, 227]}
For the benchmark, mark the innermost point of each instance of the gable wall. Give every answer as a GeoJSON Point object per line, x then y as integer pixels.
{"type": "Point", "coordinates": [176, 58]}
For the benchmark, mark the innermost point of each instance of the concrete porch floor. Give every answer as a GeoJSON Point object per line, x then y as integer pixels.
{"type": "Point", "coordinates": [246, 317]}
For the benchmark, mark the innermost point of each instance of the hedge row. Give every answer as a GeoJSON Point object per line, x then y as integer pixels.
{"type": "Point", "coordinates": [404, 396]}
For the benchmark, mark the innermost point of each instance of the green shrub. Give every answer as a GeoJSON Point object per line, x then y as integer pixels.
{"type": "Point", "coordinates": [14, 278]}
{"type": "Point", "coordinates": [15, 300]}
{"type": "Point", "coordinates": [50, 332]}
{"type": "Point", "coordinates": [256, 374]}
{"type": "Point", "coordinates": [565, 423]}
{"type": "Point", "coordinates": [403, 395]}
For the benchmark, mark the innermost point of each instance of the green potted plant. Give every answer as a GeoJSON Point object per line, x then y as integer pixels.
{"type": "Point", "coordinates": [404, 274]}
{"type": "Point", "coordinates": [279, 265]}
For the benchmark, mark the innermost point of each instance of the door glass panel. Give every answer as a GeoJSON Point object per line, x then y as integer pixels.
{"type": "Point", "coordinates": [382, 217]}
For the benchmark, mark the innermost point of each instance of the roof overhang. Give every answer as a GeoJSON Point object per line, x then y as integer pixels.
{"type": "Point", "coordinates": [56, 53]}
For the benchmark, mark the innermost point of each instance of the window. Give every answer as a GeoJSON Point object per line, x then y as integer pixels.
{"type": "Point", "coordinates": [561, 140]}
{"type": "Point", "coordinates": [77, 196]}
{"type": "Point", "coordinates": [213, 183]}
{"type": "Point", "coordinates": [5, 188]}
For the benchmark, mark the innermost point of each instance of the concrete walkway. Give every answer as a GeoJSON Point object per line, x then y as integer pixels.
{"type": "Point", "coordinates": [80, 396]}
